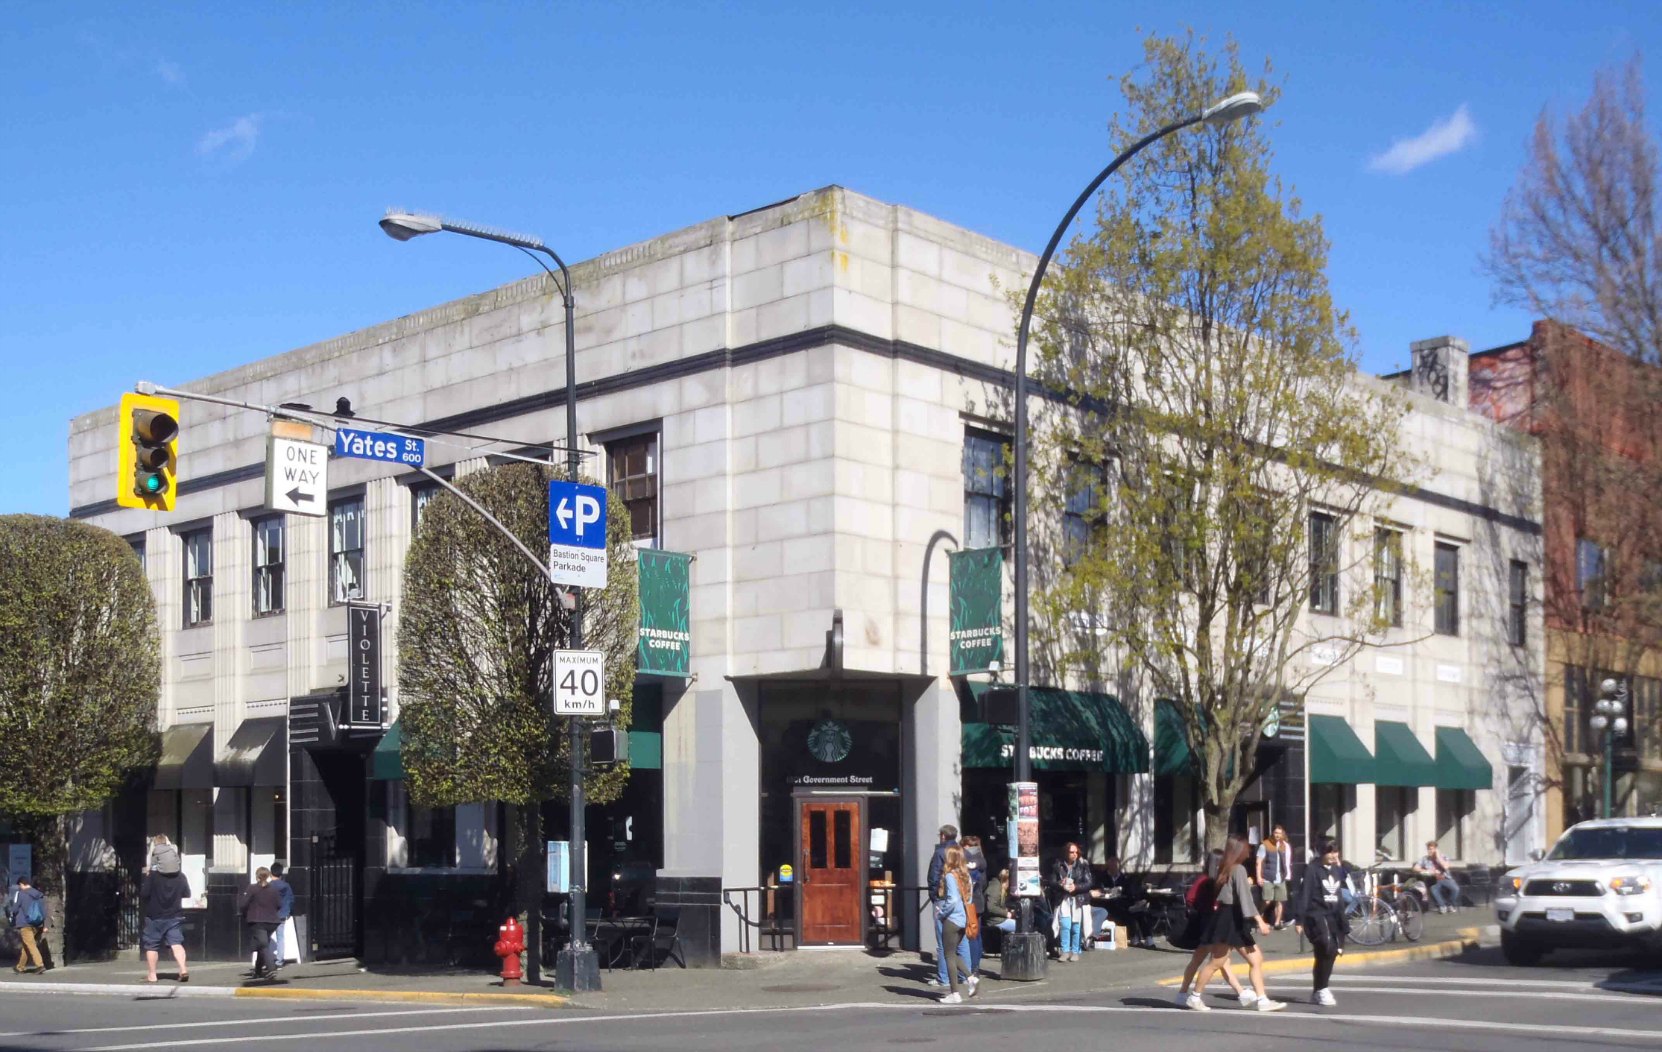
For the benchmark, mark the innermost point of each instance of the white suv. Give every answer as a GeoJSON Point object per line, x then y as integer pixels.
{"type": "Point", "coordinates": [1600, 886]}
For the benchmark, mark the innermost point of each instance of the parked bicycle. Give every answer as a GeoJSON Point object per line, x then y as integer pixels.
{"type": "Point", "coordinates": [1383, 909]}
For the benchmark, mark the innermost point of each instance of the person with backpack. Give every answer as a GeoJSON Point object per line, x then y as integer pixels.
{"type": "Point", "coordinates": [1199, 899]}
{"type": "Point", "coordinates": [1228, 926]}
{"type": "Point", "coordinates": [1320, 917]}
{"type": "Point", "coordinates": [26, 911]}
{"type": "Point", "coordinates": [162, 897]}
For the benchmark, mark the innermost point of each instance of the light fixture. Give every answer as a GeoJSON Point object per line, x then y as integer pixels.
{"type": "Point", "coordinates": [1234, 108]}
{"type": "Point", "coordinates": [401, 226]}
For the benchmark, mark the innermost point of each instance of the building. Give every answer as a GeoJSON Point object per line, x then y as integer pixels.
{"type": "Point", "coordinates": [805, 397]}
{"type": "Point", "coordinates": [1594, 411]}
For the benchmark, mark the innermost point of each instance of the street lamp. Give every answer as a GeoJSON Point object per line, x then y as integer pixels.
{"type": "Point", "coordinates": [1027, 957]}
{"type": "Point", "coordinates": [577, 967]}
{"type": "Point", "coordinates": [1609, 721]}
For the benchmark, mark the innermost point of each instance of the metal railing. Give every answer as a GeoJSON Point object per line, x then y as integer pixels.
{"type": "Point", "coordinates": [764, 918]}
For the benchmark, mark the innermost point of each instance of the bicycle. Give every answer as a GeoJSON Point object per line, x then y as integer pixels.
{"type": "Point", "coordinates": [1381, 911]}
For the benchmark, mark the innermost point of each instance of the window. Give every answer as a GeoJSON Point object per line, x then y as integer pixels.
{"type": "Point", "coordinates": [1324, 563]}
{"type": "Point", "coordinates": [1517, 606]}
{"type": "Point", "coordinates": [346, 550]}
{"type": "Point", "coordinates": [199, 577]}
{"type": "Point", "coordinates": [268, 566]}
{"type": "Point", "coordinates": [1647, 712]}
{"type": "Point", "coordinates": [1576, 709]}
{"type": "Point", "coordinates": [421, 495]}
{"type": "Point", "coordinates": [137, 543]}
{"type": "Point", "coordinates": [430, 837]}
{"type": "Point", "coordinates": [1446, 589]}
{"type": "Point", "coordinates": [1387, 577]}
{"type": "Point", "coordinates": [987, 521]}
{"type": "Point", "coordinates": [1176, 833]}
{"type": "Point", "coordinates": [1454, 806]}
{"type": "Point", "coordinates": [632, 467]}
{"type": "Point", "coordinates": [1082, 514]}
{"type": "Point", "coordinates": [1592, 572]}
{"type": "Point", "coordinates": [1650, 577]}
{"type": "Point", "coordinates": [1392, 806]}
{"type": "Point", "coordinates": [1329, 803]}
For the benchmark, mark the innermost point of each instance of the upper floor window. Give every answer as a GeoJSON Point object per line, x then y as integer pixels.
{"type": "Point", "coordinates": [987, 490]}
{"type": "Point", "coordinates": [137, 543]}
{"type": "Point", "coordinates": [1650, 578]}
{"type": "Point", "coordinates": [1517, 603]}
{"type": "Point", "coordinates": [1592, 570]}
{"type": "Point", "coordinates": [1446, 589]}
{"type": "Point", "coordinates": [346, 550]}
{"type": "Point", "coordinates": [199, 577]}
{"type": "Point", "coordinates": [632, 470]}
{"type": "Point", "coordinates": [421, 495]}
{"type": "Point", "coordinates": [1576, 706]}
{"type": "Point", "coordinates": [1387, 576]}
{"type": "Point", "coordinates": [1082, 512]}
{"type": "Point", "coordinates": [1324, 563]}
{"type": "Point", "coordinates": [268, 565]}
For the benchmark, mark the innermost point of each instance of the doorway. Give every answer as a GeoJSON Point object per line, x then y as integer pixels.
{"type": "Point", "coordinates": [831, 871]}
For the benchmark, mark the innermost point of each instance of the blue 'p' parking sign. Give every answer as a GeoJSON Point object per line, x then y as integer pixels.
{"type": "Point", "coordinates": [577, 534]}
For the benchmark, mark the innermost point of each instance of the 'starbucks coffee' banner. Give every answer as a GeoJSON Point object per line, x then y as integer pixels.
{"type": "Point", "coordinates": [665, 644]}
{"type": "Point", "coordinates": [976, 625]}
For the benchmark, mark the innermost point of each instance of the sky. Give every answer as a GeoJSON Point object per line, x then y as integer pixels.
{"type": "Point", "coordinates": [190, 187]}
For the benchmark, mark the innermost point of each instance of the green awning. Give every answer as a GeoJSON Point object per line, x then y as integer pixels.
{"type": "Point", "coordinates": [1071, 731]}
{"type": "Point", "coordinates": [1336, 753]}
{"type": "Point", "coordinates": [1460, 763]}
{"type": "Point", "coordinates": [386, 763]}
{"type": "Point", "coordinates": [1171, 741]}
{"type": "Point", "coordinates": [646, 750]}
{"type": "Point", "coordinates": [1399, 758]}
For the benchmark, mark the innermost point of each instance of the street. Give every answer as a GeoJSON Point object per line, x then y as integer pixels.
{"type": "Point", "coordinates": [1474, 1003]}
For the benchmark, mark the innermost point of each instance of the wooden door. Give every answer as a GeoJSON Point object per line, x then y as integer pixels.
{"type": "Point", "coordinates": [830, 872]}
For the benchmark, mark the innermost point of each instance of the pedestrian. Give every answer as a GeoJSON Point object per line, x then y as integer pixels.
{"type": "Point", "coordinates": [162, 897]}
{"type": "Point", "coordinates": [937, 863]}
{"type": "Point", "coordinates": [259, 905]}
{"type": "Point", "coordinates": [1200, 900]}
{"type": "Point", "coordinates": [976, 862]}
{"type": "Point", "coordinates": [1071, 877]}
{"type": "Point", "coordinates": [1321, 918]}
{"type": "Point", "coordinates": [26, 912]}
{"type": "Point", "coordinates": [1229, 926]}
{"type": "Point", "coordinates": [285, 894]}
{"type": "Point", "coordinates": [955, 906]}
{"type": "Point", "coordinates": [163, 856]}
{"type": "Point", "coordinates": [999, 901]}
{"type": "Point", "coordinates": [1274, 869]}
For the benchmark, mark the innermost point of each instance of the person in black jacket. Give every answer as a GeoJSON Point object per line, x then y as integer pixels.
{"type": "Point", "coordinates": [1321, 916]}
{"type": "Point", "coordinates": [163, 897]}
{"type": "Point", "coordinates": [937, 865]}
{"type": "Point", "coordinates": [261, 907]}
{"type": "Point", "coordinates": [1071, 879]}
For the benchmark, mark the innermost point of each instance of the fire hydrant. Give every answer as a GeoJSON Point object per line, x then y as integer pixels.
{"type": "Point", "coordinates": [510, 944]}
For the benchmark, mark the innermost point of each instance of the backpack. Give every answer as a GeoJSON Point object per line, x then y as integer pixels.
{"type": "Point", "coordinates": [34, 914]}
{"type": "Point", "coordinates": [1202, 894]}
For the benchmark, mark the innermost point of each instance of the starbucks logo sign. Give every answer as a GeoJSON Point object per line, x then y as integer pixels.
{"type": "Point", "coordinates": [829, 741]}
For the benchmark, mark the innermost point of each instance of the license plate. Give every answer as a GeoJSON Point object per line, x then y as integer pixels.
{"type": "Point", "coordinates": [1560, 915]}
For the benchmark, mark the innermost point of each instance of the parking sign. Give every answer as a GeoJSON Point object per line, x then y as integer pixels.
{"type": "Point", "coordinates": [577, 534]}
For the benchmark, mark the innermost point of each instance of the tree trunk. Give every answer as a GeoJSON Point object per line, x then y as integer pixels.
{"type": "Point", "coordinates": [1216, 814]}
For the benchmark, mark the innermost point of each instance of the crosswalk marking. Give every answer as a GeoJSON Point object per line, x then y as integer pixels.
{"type": "Point", "coordinates": [275, 1020]}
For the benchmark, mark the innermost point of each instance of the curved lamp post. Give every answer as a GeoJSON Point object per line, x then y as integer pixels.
{"type": "Point", "coordinates": [578, 967]}
{"type": "Point", "coordinates": [1226, 111]}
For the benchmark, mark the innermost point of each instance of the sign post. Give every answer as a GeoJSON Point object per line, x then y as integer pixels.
{"type": "Point", "coordinates": [364, 707]}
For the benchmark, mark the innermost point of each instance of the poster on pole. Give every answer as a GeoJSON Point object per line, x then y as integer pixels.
{"type": "Point", "coordinates": [975, 627]}
{"type": "Point", "coordinates": [1024, 837]}
{"type": "Point", "coordinates": [664, 647]}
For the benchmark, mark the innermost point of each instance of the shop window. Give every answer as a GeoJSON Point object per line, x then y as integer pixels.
{"type": "Point", "coordinates": [1387, 577]}
{"type": "Point", "coordinates": [1393, 805]}
{"type": "Point", "coordinates": [199, 577]}
{"type": "Point", "coordinates": [1517, 605]}
{"type": "Point", "coordinates": [1330, 802]}
{"type": "Point", "coordinates": [1446, 589]}
{"type": "Point", "coordinates": [268, 566]}
{"type": "Point", "coordinates": [1454, 808]}
{"type": "Point", "coordinates": [346, 550]}
{"type": "Point", "coordinates": [421, 495]}
{"type": "Point", "coordinates": [1176, 833]}
{"type": "Point", "coordinates": [987, 500]}
{"type": "Point", "coordinates": [632, 473]}
{"type": "Point", "coordinates": [1324, 563]}
{"type": "Point", "coordinates": [460, 837]}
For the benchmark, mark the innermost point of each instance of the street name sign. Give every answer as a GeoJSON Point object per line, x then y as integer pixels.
{"type": "Point", "coordinates": [579, 683]}
{"type": "Point", "coordinates": [296, 476]}
{"type": "Point", "coordinates": [373, 445]}
{"type": "Point", "coordinates": [577, 534]}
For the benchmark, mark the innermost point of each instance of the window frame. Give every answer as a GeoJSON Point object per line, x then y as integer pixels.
{"type": "Point", "coordinates": [341, 556]}
{"type": "Point", "coordinates": [1517, 603]}
{"type": "Point", "coordinates": [1388, 547]}
{"type": "Point", "coordinates": [198, 592]}
{"type": "Point", "coordinates": [1592, 574]}
{"type": "Point", "coordinates": [1324, 563]}
{"type": "Point", "coordinates": [618, 451]}
{"type": "Point", "coordinates": [1083, 517]}
{"type": "Point", "coordinates": [421, 495]}
{"type": "Point", "coordinates": [1445, 598]}
{"type": "Point", "coordinates": [270, 574]}
{"type": "Point", "coordinates": [997, 491]}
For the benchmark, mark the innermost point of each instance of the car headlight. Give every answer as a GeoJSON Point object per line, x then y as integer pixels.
{"type": "Point", "coordinates": [1629, 885]}
{"type": "Point", "coordinates": [1517, 884]}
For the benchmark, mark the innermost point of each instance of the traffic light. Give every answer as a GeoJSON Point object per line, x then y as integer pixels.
{"type": "Point", "coordinates": [147, 452]}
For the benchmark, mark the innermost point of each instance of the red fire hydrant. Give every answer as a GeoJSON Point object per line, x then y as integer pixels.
{"type": "Point", "coordinates": [510, 944]}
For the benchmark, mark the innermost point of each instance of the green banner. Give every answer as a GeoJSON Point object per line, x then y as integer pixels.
{"type": "Point", "coordinates": [665, 644]}
{"type": "Point", "coordinates": [976, 626]}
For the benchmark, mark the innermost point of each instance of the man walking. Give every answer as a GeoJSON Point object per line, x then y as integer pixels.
{"type": "Point", "coordinates": [285, 910]}
{"type": "Point", "coordinates": [1275, 867]}
{"type": "Point", "coordinates": [26, 910]}
{"type": "Point", "coordinates": [937, 865]}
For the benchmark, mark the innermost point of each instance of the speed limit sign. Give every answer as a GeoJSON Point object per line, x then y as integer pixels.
{"type": "Point", "coordinates": [579, 683]}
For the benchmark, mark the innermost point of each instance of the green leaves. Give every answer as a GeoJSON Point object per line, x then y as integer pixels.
{"type": "Point", "coordinates": [80, 665]}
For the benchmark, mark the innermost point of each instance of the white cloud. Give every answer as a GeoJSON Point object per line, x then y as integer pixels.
{"type": "Point", "coordinates": [170, 72]}
{"type": "Point", "coordinates": [233, 143]}
{"type": "Point", "coordinates": [1445, 136]}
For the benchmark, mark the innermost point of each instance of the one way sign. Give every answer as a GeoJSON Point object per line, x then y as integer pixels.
{"type": "Point", "coordinates": [577, 534]}
{"type": "Point", "coordinates": [296, 476]}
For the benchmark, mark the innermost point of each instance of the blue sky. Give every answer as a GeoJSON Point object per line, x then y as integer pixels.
{"type": "Point", "coordinates": [190, 187]}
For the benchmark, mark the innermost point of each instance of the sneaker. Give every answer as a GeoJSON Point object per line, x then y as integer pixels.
{"type": "Point", "coordinates": [1181, 999]}
{"type": "Point", "coordinates": [953, 998]}
{"type": "Point", "coordinates": [1324, 997]}
{"type": "Point", "coordinates": [933, 981]}
{"type": "Point", "coordinates": [1267, 1005]}
{"type": "Point", "coordinates": [1194, 1004]}
{"type": "Point", "coordinates": [974, 986]}
{"type": "Point", "coordinates": [1248, 998]}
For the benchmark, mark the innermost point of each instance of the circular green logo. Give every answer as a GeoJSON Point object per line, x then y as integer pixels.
{"type": "Point", "coordinates": [829, 741]}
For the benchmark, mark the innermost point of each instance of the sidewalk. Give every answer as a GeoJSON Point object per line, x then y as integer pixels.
{"type": "Point", "coordinates": [789, 979]}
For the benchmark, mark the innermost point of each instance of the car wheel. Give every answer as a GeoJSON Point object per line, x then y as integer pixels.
{"type": "Point", "coordinates": [1520, 953]}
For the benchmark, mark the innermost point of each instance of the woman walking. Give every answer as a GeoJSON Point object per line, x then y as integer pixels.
{"type": "Point", "coordinates": [261, 903]}
{"type": "Point", "coordinates": [1228, 926]}
{"type": "Point", "coordinates": [1072, 877]}
{"type": "Point", "coordinates": [956, 907]}
{"type": "Point", "coordinates": [1201, 898]}
{"type": "Point", "coordinates": [1320, 917]}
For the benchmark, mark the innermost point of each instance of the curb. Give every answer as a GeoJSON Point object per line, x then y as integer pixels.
{"type": "Point", "coordinates": [140, 990]}
{"type": "Point", "coordinates": [146, 992]}
{"type": "Point", "coordinates": [1465, 939]}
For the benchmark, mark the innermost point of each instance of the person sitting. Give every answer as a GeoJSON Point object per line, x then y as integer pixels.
{"type": "Point", "coordinates": [1122, 897]}
{"type": "Point", "coordinates": [1434, 870]}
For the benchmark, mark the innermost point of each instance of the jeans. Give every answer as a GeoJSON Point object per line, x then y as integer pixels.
{"type": "Point", "coordinates": [975, 954]}
{"type": "Point", "coordinates": [1072, 931]}
{"type": "Point", "coordinates": [961, 947]}
{"type": "Point", "coordinates": [277, 944]}
{"type": "Point", "coordinates": [1446, 892]}
{"type": "Point", "coordinates": [1008, 924]}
